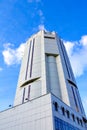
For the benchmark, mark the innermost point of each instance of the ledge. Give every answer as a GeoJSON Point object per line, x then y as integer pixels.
{"type": "Point", "coordinates": [29, 81]}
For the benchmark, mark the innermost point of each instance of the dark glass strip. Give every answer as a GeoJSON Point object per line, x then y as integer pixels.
{"type": "Point", "coordinates": [62, 125]}
{"type": "Point", "coordinates": [49, 37]}
{"type": "Point", "coordinates": [80, 104]}
{"type": "Point", "coordinates": [23, 95]}
{"type": "Point", "coordinates": [28, 61]}
{"type": "Point", "coordinates": [75, 98]}
{"type": "Point", "coordinates": [72, 83]}
{"type": "Point", "coordinates": [32, 58]}
{"type": "Point", "coordinates": [64, 58]}
{"type": "Point", "coordinates": [69, 65]}
{"type": "Point", "coordinates": [29, 91]}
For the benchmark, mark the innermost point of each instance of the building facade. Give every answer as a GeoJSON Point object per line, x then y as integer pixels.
{"type": "Point", "coordinates": [47, 96]}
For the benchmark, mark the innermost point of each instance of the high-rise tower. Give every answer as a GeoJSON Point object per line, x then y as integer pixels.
{"type": "Point", "coordinates": [47, 96]}
{"type": "Point", "coordinates": [46, 69]}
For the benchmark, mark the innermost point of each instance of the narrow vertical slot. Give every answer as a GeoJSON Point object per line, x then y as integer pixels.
{"type": "Point", "coordinates": [79, 101]}
{"type": "Point", "coordinates": [23, 95]}
{"type": "Point", "coordinates": [29, 87]}
{"type": "Point", "coordinates": [32, 58]}
{"type": "Point", "coordinates": [75, 99]}
{"type": "Point", "coordinates": [28, 61]}
{"type": "Point", "coordinates": [61, 45]}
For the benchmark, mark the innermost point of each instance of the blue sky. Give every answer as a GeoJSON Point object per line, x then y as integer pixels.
{"type": "Point", "coordinates": [19, 19]}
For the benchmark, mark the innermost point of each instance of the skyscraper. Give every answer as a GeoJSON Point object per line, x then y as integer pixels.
{"type": "Point", "coordinates": [47, 96]}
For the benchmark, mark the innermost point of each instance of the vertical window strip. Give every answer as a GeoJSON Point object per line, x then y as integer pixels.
{"type": "Point", "coordinates": [64, 58]}
{"type": "Point", "coordinates": [70, 70]}
{"type": "Point", "coordinates": [32, 58]}
{"type": "Point", "coordinates": [23, 95]}
{"type": "Point", "coordinates": [29, 87]}
{"type": "Point", "coordinates": [75, 99]}
{"type": "Point", "coordinates": [79, 101]}
{"type": "Point", "coordinates": [28, 61]}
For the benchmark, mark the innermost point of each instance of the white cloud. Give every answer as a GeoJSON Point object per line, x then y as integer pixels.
{"type": "Point", "coordinates": [1, 68]}
{"type": "Point", "coordinates": [40, 12]}
{"type": "Point", "coordinates": [69, 47]}
{"type": "Point", "coordinates": [7, 45]}
{"type": "Point", "coordinates": [41, 16]}
{"type": "Point", "coordinates": [83, 40]}
{"type": "Point", "coordinates": [77, 52]}
{"type": "Point", "coordinates": [41, 27]}
{"type": "Point", "coordinates": [13, 56]}
{"type": "Point", "coordinates": [37, 10]}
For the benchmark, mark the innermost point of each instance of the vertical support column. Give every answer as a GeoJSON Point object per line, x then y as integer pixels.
{"type": "Point", "coordinates": [53, 76]}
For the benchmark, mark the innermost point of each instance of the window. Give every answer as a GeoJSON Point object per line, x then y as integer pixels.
{"type": "Point", "coordinates": [68, 113]}
{"type": "Point", "coordinates": [62, 125]}
{"type": "Point", "coordinates": [56, 106]}
{"type": "Point", "coordinates": [28, 60]}
{"type": "Point", "coordinates": [74, 98]}
{"type": "Point", "coordinates": [78, 120]}
{"type": "Point", "coordinates": [84, 120]}
{"type": "Point", "coordinates": [73, 117]}
{"type": "Point", "coordinates": [23, 95]}
{"type": "Point", "coordinates": [81, 122]}
{"type": "Point", "coordinates": [64, 57]}
{"type": "Point", "coordinates": [49, 37]}
{"type": "Point", "coordinates": [32, 58]}
{"type": "Point", "coordinates": [29, 87]}
{"type": "Point", "coordinates": [63, 110]}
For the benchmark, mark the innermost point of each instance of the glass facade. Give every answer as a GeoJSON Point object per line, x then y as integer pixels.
{"type": "Point", "coordinates": [62, 125]}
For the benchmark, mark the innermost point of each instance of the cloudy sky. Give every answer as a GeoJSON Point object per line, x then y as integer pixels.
{"type": "Point", "coordinates": [19, 19]}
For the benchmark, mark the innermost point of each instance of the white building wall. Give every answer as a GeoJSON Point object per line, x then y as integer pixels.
{"type": "Point", "coordinates": [31, 71]}
{"type": "Point", "coordinates": [38, 114]}
{"type": "Point", "coordinates": [33, 115]}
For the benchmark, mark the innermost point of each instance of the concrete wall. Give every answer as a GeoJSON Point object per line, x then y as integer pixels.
{"type": "Point", "coordinates": [33, 115]}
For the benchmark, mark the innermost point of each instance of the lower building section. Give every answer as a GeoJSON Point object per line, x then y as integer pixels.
{"type": "Point", "coordinates": [46, 112]}
{"type": "Point", "coordinates": [66, 118]}
{"type": "Point", "coordinates": [33, 115]}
